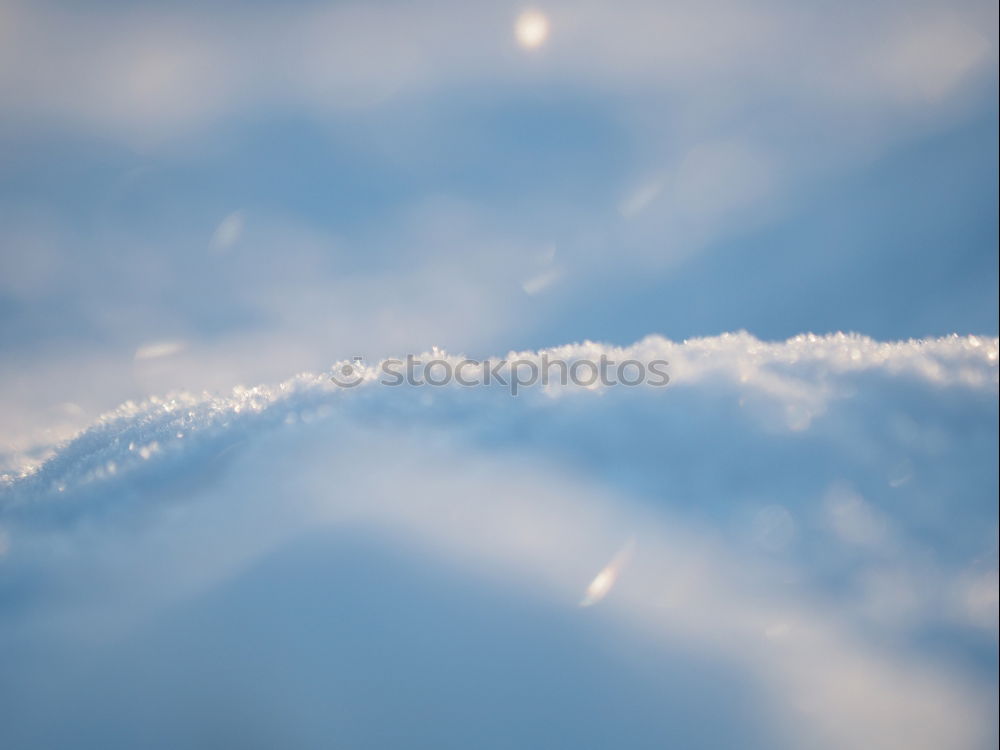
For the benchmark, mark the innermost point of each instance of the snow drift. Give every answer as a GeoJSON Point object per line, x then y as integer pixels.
{"type": "Point", "coordinates": [810, 527]}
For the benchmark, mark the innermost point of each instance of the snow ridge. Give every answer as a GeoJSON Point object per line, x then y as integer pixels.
{"type": "Point", "coordinates": [798, 373]}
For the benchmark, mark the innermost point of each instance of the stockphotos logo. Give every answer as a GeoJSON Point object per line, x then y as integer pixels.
{"type": "Point", "coordinates": [514, 375]}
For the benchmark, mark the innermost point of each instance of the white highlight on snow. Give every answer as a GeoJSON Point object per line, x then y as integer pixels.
{"type": "Point", "coordinates": [542, 281]}
{"type": "Point", "coordinates": [229, 231]}
{"type": "Point", "coordinates": [159, 349]}
{"type": "Point", "coordinates": [604, 581]}
{"type": "Point", "coordinates": [531, 29]}
{"type": "Point", "coordinates": [640, 197]}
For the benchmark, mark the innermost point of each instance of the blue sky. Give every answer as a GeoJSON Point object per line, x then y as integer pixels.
{"type": "Point", "coordinates": [198, 196]}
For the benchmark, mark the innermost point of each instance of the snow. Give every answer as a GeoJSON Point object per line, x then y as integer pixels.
{"type": "Point", "coordinates": [805, 516]}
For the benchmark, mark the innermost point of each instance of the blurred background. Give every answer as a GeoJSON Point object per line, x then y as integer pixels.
{"type": "Point", "coordinates": [801, 538]}
{"type": "Point", "coordinates": [198, 194]}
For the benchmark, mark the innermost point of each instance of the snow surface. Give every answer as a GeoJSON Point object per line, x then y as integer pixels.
{"type": "Point", "coordinates": [801, 536]}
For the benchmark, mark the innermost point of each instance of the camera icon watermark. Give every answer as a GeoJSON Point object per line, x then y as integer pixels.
{"type": "Point", "coordinates": [349, 375]}
{"type": "Point", "coordinates": [514, 375]}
